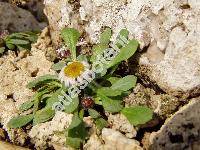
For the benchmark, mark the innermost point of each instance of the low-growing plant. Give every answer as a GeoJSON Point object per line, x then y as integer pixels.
{"type": "Point", "coordinates": [105, 93]}
{"type": "Point", "coordinates": [18, 41]}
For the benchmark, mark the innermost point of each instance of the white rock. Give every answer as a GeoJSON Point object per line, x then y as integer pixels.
{"type": "Point", "coordinates": [15, 74]}
{"type": "Point", "coordinates": [8, 146]}
{"type": "Point", "coordinates": [44, 133]}
{"type": "Point", "coordinates": [94, 143]}
{"type": "Point", "coordinates": [120, 123]}
{"type": "Point", "coordinates": [172, 27]}
{"type": "Point", "coordinates": [114, 140]}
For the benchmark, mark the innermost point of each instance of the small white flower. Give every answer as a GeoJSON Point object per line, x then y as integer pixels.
{"type": "Point", "coordinates": [74, 73]}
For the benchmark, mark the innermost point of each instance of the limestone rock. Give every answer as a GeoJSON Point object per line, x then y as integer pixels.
{"type": "Point", "coordinates": [94, 143]}
{"type": "Point", "coordinates": [61, 147]}
{"type": "Point", "coordinates": [7, 146]}
{"type": "Point", "coordinates": [64, 16]}
{"type": "Point", "coordinates": [163, 104]}
{"type": "Point", "coordinates": [2, 134]}
{"type": "Point", "coordinates": [89, 122]}
{"type": "Point", "coordinates": [146, 141]}
{"type": "Point", "coordinates": [178, 71]}
{"type": "Point", "coordinates": [181, 131]}
{"type": "Point", "coordinates": [114, 140]}
{"type": "Point", "coordinates": [45, 133]}
{"type": "Point", "coordinates": [169, 27]}
{"type": "Point", "coordinates": [15, 19]}
{"type": "Point", "coordinates": [120, 123]}
{"type": "Point", "coordinates": [172, 60]}
{"type": "Point", "coordinates": [15, 73]}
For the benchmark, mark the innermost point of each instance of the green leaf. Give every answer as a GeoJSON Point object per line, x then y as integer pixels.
{"type": "Point", "coordinates": [76, 121]}
{"type": "Point", "coordinates": [20, 121]}
{"type": "Point", "coordinates": [53, 84]}
{"type": "Point", "coordinates": [10, 46]}
{"type": "Point", "coordinates": [74, 142]}
{"type": "Point", "coordinates": [81, 113]}
{"type": "Point", "coordinates": [76, 133]}
{"type": "Point", "coordinates": [72, 106]}
{"type": "Point", "coordinates": [103, 73]}
{"type": "Point", "coordinates": [45, 97]}
{"type": "Point", "coordinates": [71, 37]}
{"type": "Point", "coordinates": [21, 40]}
{"type": "Point", "coordinates": [111, 105]}
{"type": "Point", "coordinates": [27, 105]}
{"type": "Point", "coordinates": [98, 101]}
{"type": "Point", "coordinates": [37, 99]}
{"type": "Point", "coordinates": [18, 41]}
{"type": "Point", "coordinates": [58, 66]}
{"type": "Point", "coordinates": [109, 91]}
{"type": "Point", "coordinates": [113, 69]}
{"type": "Point", "coordinates": [124, 33]}
{"type": "Point", "coordinates": [138, 115]}
{"type": "Point", "coordinates": [98, 50]}
{"type": "Point", "coordinates": [125, 83]}
{"type": "Point", "coordinates": [2, 49]}
{"type": "Point", "coordinates": [101, 123]}
{"type": "Point", "coordinates": [14, 36]}
{"type": "Point", "coordinates": [30, 36]}
{"type": "Point", "coordinates": [43, 115]}
{"type": "Point", "coordinates": [93, 113]}
{"type": "Point", "coordinates": [54, 98]}
{"type": "Point", "coordinates": [49, 86]}
{"type": "Point", "coordinates": [113, 80]}
{"type": "Point", "coordinates": [82, 58]}
{"type": "Point", "coordinates": [41, 80]}
{"type": "Point", "coordinates": [24, 47]}
{"type": "Point", "coordinates": [125, 53]}
{"type": "Point", "coordinates": [105, 36]}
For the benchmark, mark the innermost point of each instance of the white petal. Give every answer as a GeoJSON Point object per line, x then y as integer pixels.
{"type": "Point", "coordinates": [79, 80]}
{"type": "Point", "coordinates": [71, 81]}
{"type": "Point", "coordinates": [67, 83]}
{"type": "Point", "coordinates": [86, 65]}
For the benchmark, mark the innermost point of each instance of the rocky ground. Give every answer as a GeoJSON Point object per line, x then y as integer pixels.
{"type": "Point", "coordinates": [167, 63]}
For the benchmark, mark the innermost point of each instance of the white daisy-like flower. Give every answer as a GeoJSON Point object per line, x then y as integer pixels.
{"type": "Point", "coordinates": [74, 73]}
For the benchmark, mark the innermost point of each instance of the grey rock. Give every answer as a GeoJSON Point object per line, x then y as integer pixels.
{"type": "Point", "coordinates": [15, 19]}
{"type": "Point", "coordinates": [181, 131]}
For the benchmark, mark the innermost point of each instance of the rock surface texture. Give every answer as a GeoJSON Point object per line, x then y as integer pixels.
{"type": "Point", "coordinates": [120, 123]}
{"type": "Point", "coordinates": [44, 134]}
{"type": "Point", "coordinates": [164, 105]}
{"type": "Point", "coordinates": [15, 73]}
{"type": "Point", "coordinates": [114, 140]}
{"type": "Point", "coordinates": [16, 19]}
{"type": "Point", "coordinates": [181, 131]}
{"type": "Point", "coordinates": [170, 29]}
{"type": "Point", "coordinates": [8, 146]}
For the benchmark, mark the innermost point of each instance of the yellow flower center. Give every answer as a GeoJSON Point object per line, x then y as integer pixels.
{"type": "Point", "coordinates": [74, 69]}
